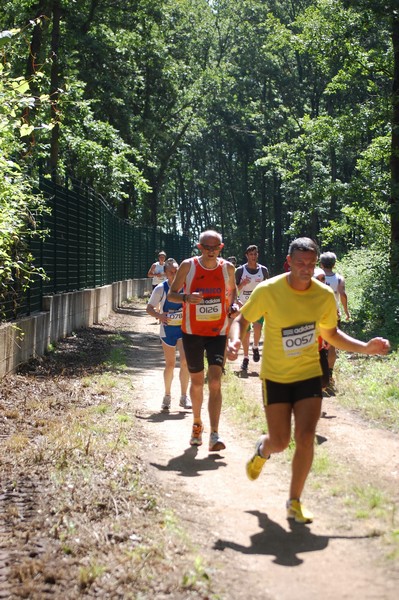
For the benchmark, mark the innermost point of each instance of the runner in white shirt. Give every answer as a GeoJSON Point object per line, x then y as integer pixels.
{"type": "Point", "coordinates": [248, 276]}
{"type": "Point", "coordinates": [337, 284]}
{"type": "Point", "coordinates": [157, 270]}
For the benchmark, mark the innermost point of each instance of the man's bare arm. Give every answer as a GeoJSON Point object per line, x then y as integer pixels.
{"type": "Point", "coordinates": [343, 297]}
{"type": "Point", "coordinates": [151, 271]}
{"type": "Point", "coordinates": [232, 291]}
{"type": "Point", "coordinates": [342, 341]}
{"type": "Point", "coordinates": [178, 283]}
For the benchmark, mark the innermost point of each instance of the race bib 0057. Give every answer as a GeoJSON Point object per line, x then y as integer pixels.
{"type": "Point", "coordinates": [295, 339]}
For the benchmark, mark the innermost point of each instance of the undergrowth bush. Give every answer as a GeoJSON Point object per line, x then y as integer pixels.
{"type": "Point", "coordinates": [373, 297]}
{"type": "Point", "coordinates": [20, 205]}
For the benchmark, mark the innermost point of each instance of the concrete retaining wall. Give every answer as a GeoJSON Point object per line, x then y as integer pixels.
{"type": "Point", "coordinates": [62, 314]}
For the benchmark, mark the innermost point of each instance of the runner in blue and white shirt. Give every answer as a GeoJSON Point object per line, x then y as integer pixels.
{"type": "Point", "coordinates": [169, 315]}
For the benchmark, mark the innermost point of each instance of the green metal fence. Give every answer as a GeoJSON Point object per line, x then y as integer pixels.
{"type": "Point", "coordinates": [88, 245]}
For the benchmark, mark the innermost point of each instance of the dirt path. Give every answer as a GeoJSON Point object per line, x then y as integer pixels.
{"type": "Point", "coordinates": [243, 541]}
{"type": "Point", "coordinates": [240, 526]}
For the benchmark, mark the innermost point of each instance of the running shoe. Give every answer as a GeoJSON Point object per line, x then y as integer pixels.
{"type": "Point", "coordinates": [255, 354]}
{"type": "Point", "coordinates": [244, 364]}
{"type": "Point", "coordinates": [185, 402]}
{"type": "Point", "coordinates": [331, 389]}
{"type": "Point", "coordinates": [215, 443]}
{"type": "Point", "coordinates": [296, 510]}
{"type": "Point", "coordinates": [196, 434]}
{"type": "Point", "coordinates": [255, 464]}
{"type": "Point", "coordinates": [166, 403]}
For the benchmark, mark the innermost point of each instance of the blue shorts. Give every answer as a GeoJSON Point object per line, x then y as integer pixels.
{"type": "Point", "coordinates": [171, 340]}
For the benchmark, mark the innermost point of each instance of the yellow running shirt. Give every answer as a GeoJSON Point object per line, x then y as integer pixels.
{"type": "Point", "coordinates": [292, 323]}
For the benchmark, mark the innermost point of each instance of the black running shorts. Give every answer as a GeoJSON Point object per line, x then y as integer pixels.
{"type": "Point", "coordinates": [195, 346]}
{"type": "Point", "coordinates": [274, 393]}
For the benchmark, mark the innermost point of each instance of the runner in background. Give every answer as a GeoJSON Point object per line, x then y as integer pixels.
{"type": "Point", "coordinates": [337, 284]}
{"type": "Point", "coordinates": [323, 346]}
{"type": "Point", "coordinates": [169, 315]}
{"type": "Point", "coordinates": [233, 260]}
{"type": "Point", "coordinates": [248, 276]}
{"type": "Point", "coordinates": [157, 270]}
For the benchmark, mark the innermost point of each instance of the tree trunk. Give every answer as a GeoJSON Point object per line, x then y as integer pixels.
{"type": "Point", "coordinates": [54, 87]}
{"type": "Point", "coordinates": [33, 60]}
{"type": "Point", "coordinates": [36, 43]}
{"type": "Point", "coordinates": [263, 241]}
{"type": "Point", "coordinates": [279, 251]}
{"type": "Point", "coordinates": [394, 201]}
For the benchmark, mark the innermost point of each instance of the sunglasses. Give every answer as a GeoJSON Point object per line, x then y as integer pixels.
{"type": "Point", "coordinates": [210, 248]}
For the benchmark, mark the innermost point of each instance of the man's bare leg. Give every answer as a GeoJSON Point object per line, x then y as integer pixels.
{"type": "Point", "coordinates": [278, 417]}
{"type": "Point", "coordinates": [184, 375]}
{"type": "Point", "coordinates": [306, 414]}
{"type": "Point", "coordinates": [245, 344]}
{"type": "Point", "coordinates": [197, 394]}
{"type": "Point", "coordinates": [170, 360]}
{"type": "Point", "coordinates": [215, 396]}
{"type": "Point", "coordinates": [257, 327]}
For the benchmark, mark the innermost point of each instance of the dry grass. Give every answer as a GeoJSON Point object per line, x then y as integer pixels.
{"type": "Point", "coordinates": [81, 511]}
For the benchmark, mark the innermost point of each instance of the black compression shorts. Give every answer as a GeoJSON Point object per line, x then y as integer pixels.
{"type": "Point", "coordinates": [196, 345]}
{"type": "Point", "coordinates": [274, 393]}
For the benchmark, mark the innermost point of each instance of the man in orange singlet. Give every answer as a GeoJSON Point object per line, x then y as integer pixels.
{"type": "Point", "coordinates": [209, 288]}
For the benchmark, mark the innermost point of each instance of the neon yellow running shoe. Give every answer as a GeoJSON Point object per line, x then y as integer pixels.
{"type": "Point", "coordinates": [296, 510]}
{"type": "Point", "coordinates": [255, 464]}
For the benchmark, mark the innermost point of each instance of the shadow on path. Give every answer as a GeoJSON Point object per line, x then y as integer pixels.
{"type": "Point", "coordinates": [282, 544]}
{"type": "Point", "coordinates": [134, 311]}
{"type": "Point", "coordinates": [320, 439]}
{"type": "Point", "coordinates": [324, 415]}
{"type": "Point", "coordinates": [160, 417]}
{"type": "Point", "coordinates": [186, 465]}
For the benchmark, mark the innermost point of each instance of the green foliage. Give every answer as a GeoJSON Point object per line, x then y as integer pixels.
{"type": "Point", "coordinates": [265, 120]}
{"type": "Point", "coordinates": [153, 57]}
{"type": "Point", "coordinates": [370, 386]}
{"type": "Point", "coordinates": [94, 151]}
{"type": "Point", "coordinates": [333, 148]}
{"type": "Point", "coordinates": [373, 297]}
{"type": "Point", "coordinates": [20, 207]}
{"type": "Point", "coordinates": [358, 226]}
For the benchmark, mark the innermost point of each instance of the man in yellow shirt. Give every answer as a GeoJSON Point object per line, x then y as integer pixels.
{"type": "Point", "coordinates": [297, 309]}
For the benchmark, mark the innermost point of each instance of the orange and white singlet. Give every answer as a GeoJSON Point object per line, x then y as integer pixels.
{"type": "Point", "coordinates": [210, 316]}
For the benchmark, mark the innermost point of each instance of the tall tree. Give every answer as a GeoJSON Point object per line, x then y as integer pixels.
{"type": "Point", "coordinates": [395, 152]}
{"type": "Point", "coordinates": [388, 10]}
{"type": "Point", "coordinates": [266, 119]}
